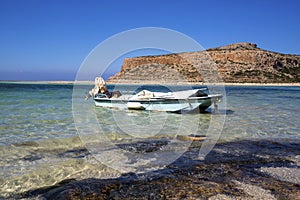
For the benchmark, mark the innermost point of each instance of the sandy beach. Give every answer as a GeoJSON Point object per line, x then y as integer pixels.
{"type": "Point", "coordinates": [150, 83]}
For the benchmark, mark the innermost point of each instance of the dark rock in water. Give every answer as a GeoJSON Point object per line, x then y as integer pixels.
{"type": "Point", "coordinates": [32, 157]}
{"type": "Point", "coordinates": [231, 170]}
{"type": "Point", "coordinates": [144, 146]}
{"type": "Point", "coordinates": [75, 153]}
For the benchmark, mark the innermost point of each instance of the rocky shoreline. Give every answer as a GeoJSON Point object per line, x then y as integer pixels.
{"type": "Point", "coordinates": [248, 169]}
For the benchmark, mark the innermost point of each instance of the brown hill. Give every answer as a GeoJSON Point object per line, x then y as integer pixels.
{"type": "Point", "coordinates": [235, 63]}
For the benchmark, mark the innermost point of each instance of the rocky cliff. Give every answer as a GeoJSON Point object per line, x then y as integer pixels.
{"type": "Point", "coordinates": [235, 63]}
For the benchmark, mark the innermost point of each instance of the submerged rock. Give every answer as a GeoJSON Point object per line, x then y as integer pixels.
{"type": "Point", "coordinates": [144, 147]}
{"type": "Point", "coordinates": [233, 170]}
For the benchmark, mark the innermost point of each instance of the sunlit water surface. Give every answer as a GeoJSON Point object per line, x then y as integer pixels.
{"type": "Point", "coordinates": [40, 146]}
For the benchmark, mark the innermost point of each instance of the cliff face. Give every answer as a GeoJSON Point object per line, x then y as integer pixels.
{"type": "Point", "coordinates": [235, 63]}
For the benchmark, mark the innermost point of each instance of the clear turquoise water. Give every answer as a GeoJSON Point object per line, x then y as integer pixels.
{"type": "Point", "coordinates": [35, 111]}
{"type": "Point", "coordinates": [262, 112]}
{"type": "Point", "coordinates": [39, 144]}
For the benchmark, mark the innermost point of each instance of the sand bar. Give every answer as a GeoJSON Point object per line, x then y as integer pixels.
{"type": "Point", "coordinates": [150, 83]}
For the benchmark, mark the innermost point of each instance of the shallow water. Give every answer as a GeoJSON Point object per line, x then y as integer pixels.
{"type": "Point", "coordinates": [262, 112]}
{"type": "Point", "coordinates": [40, 146]}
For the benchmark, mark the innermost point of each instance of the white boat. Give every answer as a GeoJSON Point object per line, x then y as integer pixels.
{"type": "Point", "coordinates": [180, 101]}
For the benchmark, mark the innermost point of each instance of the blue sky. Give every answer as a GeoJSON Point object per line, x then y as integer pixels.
{"type": "Point", "coordinates": [48, 40]}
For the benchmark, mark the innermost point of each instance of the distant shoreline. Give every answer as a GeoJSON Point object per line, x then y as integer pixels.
{"type": "Point", "coordinates": [225, 84]}
{"type": "Point", "coordinates": [150, 83]}
{"type": "Point", "coordinates": [49, 82]}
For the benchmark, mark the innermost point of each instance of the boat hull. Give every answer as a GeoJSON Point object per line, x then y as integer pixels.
{"type": "Point", "coordinates": [166, 105]}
